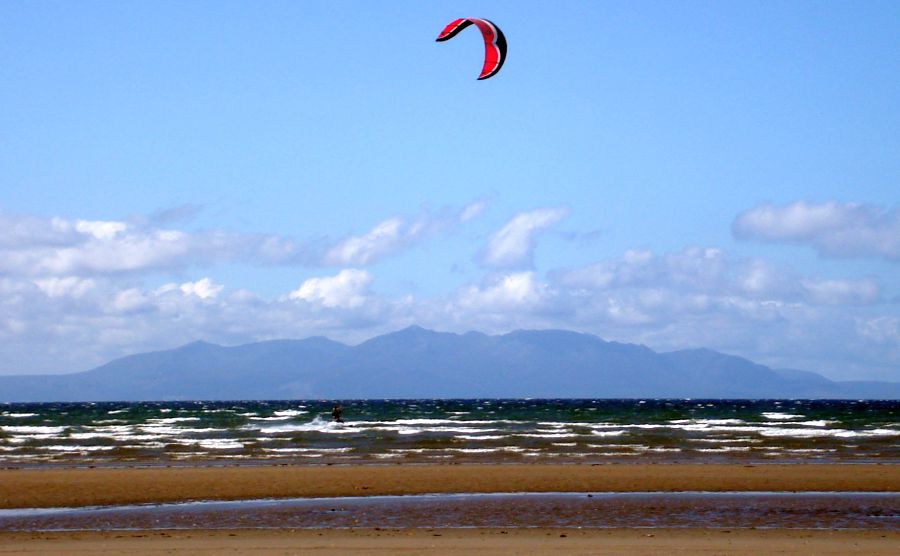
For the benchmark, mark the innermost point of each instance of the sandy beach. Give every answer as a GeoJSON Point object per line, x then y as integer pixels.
{"type": "Point", "coordinates": [29, 488]}
{"type": "Point", "coordinates": [75, 487]}
{"type": "Point", "coordinates": [451, 542]}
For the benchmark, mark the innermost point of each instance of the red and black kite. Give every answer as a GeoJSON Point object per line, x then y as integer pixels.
{"type": "Point", "coordinates": [494, 42]}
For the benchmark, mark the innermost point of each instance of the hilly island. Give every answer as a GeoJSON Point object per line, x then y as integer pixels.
{"type": "Point", "coordinates": [419, 363]}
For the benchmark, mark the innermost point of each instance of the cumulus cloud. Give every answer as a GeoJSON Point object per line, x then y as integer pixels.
{"type": "Point", "coordinates": [69, 286]}
{"type": "Point", "coordinates": [32, 246]}
{"type": "Point", "coordinates": [75, 293]}
{"type": "Point", "coordinates": [511, 291]}
{"type": "Point", "coordinates": [472, 211]}
{"type": "Point", "coordinates": [832, 228]}
{"type": "Point", "coordinates": [884, 330]}
{"type": "Point", "coordinates": [203, 288]}
{"type": "Point", "coordinates": [346, 289]}
{"type": "Point", "coordinates": [704, 273]}
{"type": "Point", "coordinates": [395, 234]}
{"type": "Point", "coordinates": [100, 229]}
{"type": "Point", "coordinates": [384, 239]}
{"type": "Point", "coordinates": [748, 306]}
{"type": "Point", "coordinates": [841, 292]}
{"type": "Point", "coordinates": [45, 247]}
{"type": "Point", "coordinates": [75, 324]}
{"type": "Point", "coordinates": [703, 270]}
{"type": "Point", "coordinates": [696, 297]}
{"type": "Point", "coordinates": [512, 246]}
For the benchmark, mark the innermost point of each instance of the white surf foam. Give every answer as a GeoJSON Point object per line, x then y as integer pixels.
{"type": "Point", "coordinates": [33, 430]}
{"type": "Point", "coordinates": [779, 416]}
{"type": "Point", "coordinates": [816, 423]}
{"type": "Point", "coordinates": [548, 435]}
{"type": "Point", "coordinates": [211, 443]}
{"type": "Point", "coordinates": [290, 412]}
{"type": "Point", "coordinates": [318, 424]}
{"type": "Point", "coordinates": [707, 422]}
{"type": "Point", "coordinates": [171, 420]}
{"type": "Point", "coordinates": [480, 437]}
{"type": "Point", "coordinates": [838, 433]}
{"type": "Point", "coordinates": [61, 448]}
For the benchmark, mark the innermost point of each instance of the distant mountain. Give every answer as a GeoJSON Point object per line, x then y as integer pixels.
{"type": "Point", "coordinates": [419, 363]}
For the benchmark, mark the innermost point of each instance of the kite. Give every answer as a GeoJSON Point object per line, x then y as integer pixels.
{"type": "Point", "coordinates": [494, 42]}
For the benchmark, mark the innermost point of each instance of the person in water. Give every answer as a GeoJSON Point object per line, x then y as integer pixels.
{"type": "Point", "coordinates": [336, 411]}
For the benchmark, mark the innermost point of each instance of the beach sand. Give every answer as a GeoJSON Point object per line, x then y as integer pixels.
{"type": "Point", "coordinates": [73, 487]}
{"type": "Point", "coordinates": [633, 542]}
{"type": "Point", "coordinates": [31, 488]}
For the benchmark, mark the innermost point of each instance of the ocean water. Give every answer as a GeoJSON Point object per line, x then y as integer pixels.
{"type": "Point", "coordinates": [423, 431]}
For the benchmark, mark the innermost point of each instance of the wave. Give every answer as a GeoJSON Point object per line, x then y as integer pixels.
{"type": "Point", "coordinates": [839, 433]}
{"type": "Point", "coordinates": [171, 420]}
{"type": "Point", "coordinates": [318, 424]}
{"type": "Point", "coordinates": [708, 422]}
{"type": "Point", "coordinates": [33, 430]}
{"type": "Point", "coordinates": [77, 448]}
{"type": "Point", "coordinates": [778, 416]}
{"type": "Point", "coordinates": [548, 435]}
{"type": "Point", "coordinates": [290, 413]}
{"type": "Point", "coordinates": [741, 430]}
{"type": "Point", "coordinates": [211, 443]}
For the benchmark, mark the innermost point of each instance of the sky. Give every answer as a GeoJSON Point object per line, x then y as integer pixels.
{"type": "Point", "coordinates": [680, 175]}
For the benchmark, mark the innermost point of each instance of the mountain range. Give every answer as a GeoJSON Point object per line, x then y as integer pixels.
{"type": "Point", "coordinates": [419, 363]}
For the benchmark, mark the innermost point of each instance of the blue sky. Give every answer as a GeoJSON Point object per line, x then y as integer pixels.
{"type": "Point", "coordinates": [679, 175]}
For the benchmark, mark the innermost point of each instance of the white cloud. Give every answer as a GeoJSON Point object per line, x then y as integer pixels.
{"type": "Point", "coordinates": [512, 246]}
{"type": "Point", "coordinates": [384, 239]}
{"type": "Point", "coordinates": [883, 330]}
{"type": "Point", "coordinates": [69, 286]}
{"type": "Point", "coordinates": [511, 291]}
{"type": "Point", "coordinates": [100, 229]}
{"type": "Point", "coordinates": [203, 288]}
{"type": "Point", "coordinates": [58, 247]}
{"type": "Point", "coordinates": [45, 247]}
{"type": "Point", "coordinates": [842, 292]}
{"type": "Point", "coordinates": [394, 235]}
{"type": "Point", "coordinates": [702, 270]}
{"type": "Point", "coordinates": [472, 211]}
{"type": "Point", "coordinates": [346, 289]}
{"type": "Point", "coordinates": [697, 297]}
{"type": "Point", "coordinates": [706, 297]}
{"type": "Point", "coordinates": [833, 229]}
{"type": "Point", "coordinates": [75, 293]}
{"type": "Point", "coordinates": [129, 300]}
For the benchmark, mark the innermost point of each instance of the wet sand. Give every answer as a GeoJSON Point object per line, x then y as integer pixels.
{"type": "Point", "coordinates": [24, 488]}
{"type": "Point", "coordinates": [633, 542]}
{"type": "Point", "coordinates": [33, 488]}
{"type": "Point", "coordinates": [607, 510]}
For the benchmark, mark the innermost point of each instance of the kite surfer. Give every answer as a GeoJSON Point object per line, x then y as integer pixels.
{"type": "Point", "coordinates": [336, 411]}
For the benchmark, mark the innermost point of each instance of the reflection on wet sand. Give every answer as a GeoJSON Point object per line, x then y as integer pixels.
{"type": "Point", "coordinates": [591, 510]}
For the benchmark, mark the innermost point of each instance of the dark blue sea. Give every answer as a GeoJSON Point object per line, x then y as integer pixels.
{"type": "Point", "coordinates": [427, 431]}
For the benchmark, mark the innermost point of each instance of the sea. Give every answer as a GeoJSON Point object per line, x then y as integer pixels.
{"type": "Point", "coordinates": [453, 431]}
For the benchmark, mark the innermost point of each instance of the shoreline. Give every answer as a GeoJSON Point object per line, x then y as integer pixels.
{"type": "Point", "coordinates": [79, 487]}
